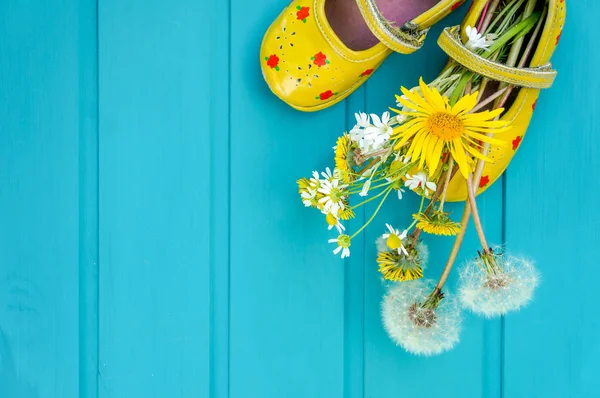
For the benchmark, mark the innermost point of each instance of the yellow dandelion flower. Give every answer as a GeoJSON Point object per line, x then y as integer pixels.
{"type": "Point", "coordinates": [342, 161]}
{"type": "Point", "coordinates": [398, 267]}
{"type": "Point", "coordinates": [303, 184]}
{"type": "Point", "coordinates": [347, 213]}
{"type": "Point", "coordinates": [437, 223]}
{"type": "Point", "coordinates": [434, 124]}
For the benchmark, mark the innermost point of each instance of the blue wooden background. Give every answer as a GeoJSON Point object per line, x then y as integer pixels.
{"type": "Point", "coordinates": [152, 243]}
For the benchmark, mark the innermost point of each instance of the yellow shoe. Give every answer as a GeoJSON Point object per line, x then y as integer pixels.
{"type": "Point", "coordinates": [309, 67]}
{"type": "Point", "coordinates": [537, 76]}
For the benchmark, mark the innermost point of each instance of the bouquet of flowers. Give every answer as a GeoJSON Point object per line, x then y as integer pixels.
{"type": "Point", "coordinates": [435, 133]}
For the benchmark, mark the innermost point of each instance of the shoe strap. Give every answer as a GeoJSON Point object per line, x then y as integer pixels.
{"type": "Point", "coordinates": [409, 37]}
{"type": "Point", "coordinates": [537, 77]}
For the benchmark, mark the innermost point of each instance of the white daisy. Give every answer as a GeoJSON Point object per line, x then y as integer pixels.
{"type": "Point", "coordinates": [333, 195]}
{"type": "Point", "coordinates": [334, 221]}
{"type": "Point", "coordinates": [394, 239]}
{"type": "Point", "coordinates": [476, 39]}
{"type": "Point", "coordinates": [419, 180]}
{"type": "Point", "coordinates": [308, 196]}
{"type": "Point", "coordinates": [327, 174]}
{"type": "Point", "coordinates": [343, 245]}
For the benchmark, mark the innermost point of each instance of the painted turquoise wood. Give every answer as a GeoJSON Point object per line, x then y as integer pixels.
{"type": "Point", "coordinates": [45, 116]}
{"type": "Point", "coordinates": [154, 199]}
{"type": "Point", "coordinates": [152, 243]}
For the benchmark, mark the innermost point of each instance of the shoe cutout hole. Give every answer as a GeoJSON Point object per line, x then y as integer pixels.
{"type": "Point", "coordinates": [347, 22]}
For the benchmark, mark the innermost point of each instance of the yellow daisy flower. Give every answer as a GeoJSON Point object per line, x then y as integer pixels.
{"type": "Point", "coordinates": [399, 267]}
{"type": "Point", "coordinates": [347, 213]}
{"type": "Point", "coordinates": [303, 184]}
{"type": "Point", "coordinates": [342, 162]}
{"type": "Point", "coordinates": [435, 125]}
{"type": "Point", "coordinates": [437, 223]}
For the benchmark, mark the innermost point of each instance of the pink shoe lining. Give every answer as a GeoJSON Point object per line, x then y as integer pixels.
{"type": "Point", "coordinates": [347, 22]}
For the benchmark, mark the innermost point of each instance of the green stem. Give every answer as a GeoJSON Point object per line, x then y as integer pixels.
{"type": "Point", "coordinates": [370, 199]}
{"type": "Point", "coordinates": [373, 216]}
{"type": "Point", "coordinates": [419, 212]}
{"type": "Point", "coordinates": [525, 25]}
{"type": "Point", "coordinates": [460, 88]}
{"type": "Point", "coordinates": [512, 7]}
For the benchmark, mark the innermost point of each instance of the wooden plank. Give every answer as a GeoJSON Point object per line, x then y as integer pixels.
{"type": "Point", "coordinates": [43, 113]}
{"type": "Point", "coordinates": [473, 368]}
{"type": "Point", "coordinates": [287, 289]}
{"type": "Point", "coordinates": [552, 217]}
{"type": "Point", "coordinates": [354, 289]}
{"type": "Point", "coordinates": [220, 222]}
{"type": "Point", "coordinates": [88, 200]}
{"type": "Point", "coordinates": [155, 142]}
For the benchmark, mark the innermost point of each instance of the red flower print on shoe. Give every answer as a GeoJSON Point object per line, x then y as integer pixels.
{"type": "Point", "coordinates": [326, 95]}
{"type": "Point", "coordinates": [273, 61]}
{"type": "Point", "coordinates": [367, 72]}
{"type": "Point", "coordinates": [302, 13]}
{"type": "Point", "coordinates": [484, 181]}
{"type": "Point", "coordinates": [319, 59]}
{"type": "Point", "coordinates": [516, 142]}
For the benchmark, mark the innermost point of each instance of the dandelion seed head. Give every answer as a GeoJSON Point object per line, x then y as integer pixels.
{"type": "Point", "coordinates": [381, 244]}
{"type": "Point", "coordinates": [418, 329]}
{"type": "Point", "coordinates": [510, 288]}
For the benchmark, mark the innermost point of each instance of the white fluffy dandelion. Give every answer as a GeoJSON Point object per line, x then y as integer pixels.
{"type": "Point", "coordinates": [419, 328]}
{"type": "Point", "coordinates": [493, 294]}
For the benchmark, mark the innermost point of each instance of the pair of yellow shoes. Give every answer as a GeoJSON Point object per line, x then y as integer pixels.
{"type": "Point", "coordinates": [310, 68]}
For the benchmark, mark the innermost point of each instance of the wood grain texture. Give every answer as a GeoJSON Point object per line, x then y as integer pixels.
{"type": "Point", "coordinates": [553, 217]}
{"type": "Point", "coordinates": [152, 242]}
{"type": "Point", "coordinates": [42, 112]}
{"type": "Point", "coordinates": [154, 199]}
{"type": "Point", "coordinates": [287, 290]}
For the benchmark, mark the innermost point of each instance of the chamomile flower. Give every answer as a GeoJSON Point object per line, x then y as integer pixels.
{"type": "Point", "coordinates": [495, 289]}
{"type": "Point", "coordinates": [334, 195]}
{"type": "Point", "coordinates": [327, 174]}
{"type": "Point", "coordinates": [476, 39]}
{"type": "Point", "coordinates": [420, 180]}
{"type": "Point", "coordinates": [418, 321]}
{"type": "Point", "coordinates": [308, 191]}
{"type": "Point", "coordinates": [309, 198]}
{"type": "Point", "coordinates": [334, 221]}
{"type": "Point", "coordinates": [394, 239]}
{"type": "Point", "coordinates": [343, 245]}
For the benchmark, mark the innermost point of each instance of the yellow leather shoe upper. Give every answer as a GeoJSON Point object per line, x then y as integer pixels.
{"type": "Point", "coordinates": [306, 65]}
{"type": "Point", "coordinates": [519, 115]}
